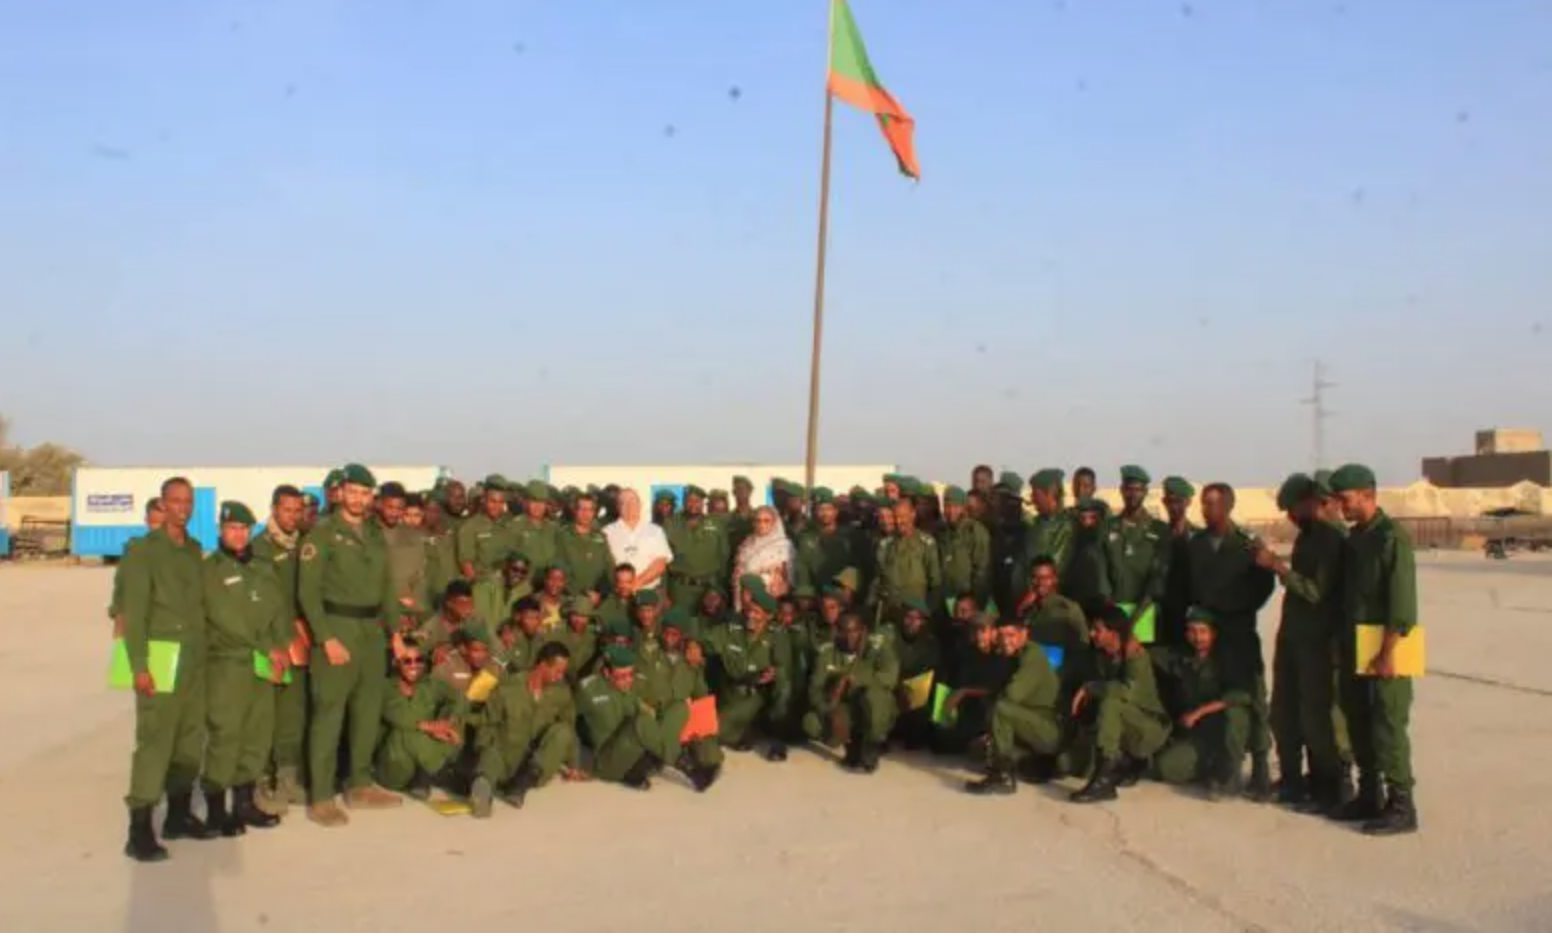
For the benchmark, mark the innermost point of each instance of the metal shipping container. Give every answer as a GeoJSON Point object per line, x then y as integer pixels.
{"type": "Point", "coordinates": [648, 480]}
{"type": "Point", "coordinates": [107, 505]}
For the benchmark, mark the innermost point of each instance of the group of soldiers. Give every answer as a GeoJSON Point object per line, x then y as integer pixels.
{"type": "Point", "coordinates": [479, 640]}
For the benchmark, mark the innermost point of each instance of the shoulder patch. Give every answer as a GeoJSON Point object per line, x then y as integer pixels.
{"type": "Point", "coordinates": [309, 552]}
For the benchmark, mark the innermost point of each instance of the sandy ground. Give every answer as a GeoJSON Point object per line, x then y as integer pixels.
{"type": "Point", "coordinates": [802, 846]}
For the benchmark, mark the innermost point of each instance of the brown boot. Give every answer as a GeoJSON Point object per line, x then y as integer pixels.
{"type": "Point", "coordinates": [371, 796]}
{"type": "Point", "coordinates": [327, 814]}
{"type": "Point", "coordinates": [270, 800]}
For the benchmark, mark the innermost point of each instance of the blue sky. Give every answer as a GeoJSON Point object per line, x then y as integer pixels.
{"type": "Point", "coordinates": [498, 234]}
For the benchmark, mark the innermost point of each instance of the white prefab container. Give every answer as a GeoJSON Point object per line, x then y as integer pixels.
{"type": "Point", "coordinates": [5, 512]}
{"type": "Point", "coordinates": [107, 505]}
{"type": "Point", "coordinates": [650, 479]}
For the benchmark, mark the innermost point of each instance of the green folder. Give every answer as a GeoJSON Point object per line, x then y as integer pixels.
{"type": "Point", "coordinates": [1144, 629]}
{"type": "Point", "coordinates": [264, 668]}
{"type": "Point", "coordinates": [162, 662]}
{"type": "Point", "coordinates": [940, 694]}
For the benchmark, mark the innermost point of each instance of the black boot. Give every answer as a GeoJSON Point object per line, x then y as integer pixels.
{"type": "Point", "coordinates": [1260, 786]}
{"type": "Point", "coordinates": [1102, 783]}
{"type": "Point", "coordinates": [1227, 782]}
{"type": "Point", "coordinates": [1398, 818]}
{"type": "Point", "coordinates": [218, 818]}
{"type": "Point", "coordinates": [998, 781]}
{"type": "Point", "coordinates": [420, 786]}
{"type": "Point", "coordinates": [853, 758]}
{"type": "Point", "coordinates": [705, 776]}
{"type": "Point", "coordinates": [868, 755]}
{"type": "Point", "coordinates": [1132, 769]}
{"type": "Point", "coordinates": [777, 752]}
{"type": "Point", "coordinates": [1366, 805]}
{"type": "Point", "coordinates": [1324, 795]}
{"type": "Point", "coordinates": [181, 823]}
{"type": "Point", "coordinates": [1291, 790]}
{"type": "Point", "coordinates": [1038, 769]}
{"type": "Point", "coordinates": [246, 811]}
{"type": "Point", "coordinates": [516, 792]}
{"type": "Point", "coordinates": [142, 844]}
{"type": "Point", "coordinates": [639, 777]}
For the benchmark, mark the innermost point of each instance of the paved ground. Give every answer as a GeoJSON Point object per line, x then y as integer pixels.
{"type": "Point", "coordinates": [803, 846]}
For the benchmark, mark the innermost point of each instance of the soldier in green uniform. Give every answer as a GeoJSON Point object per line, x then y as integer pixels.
{"type": "Point", "coordinates": [965, 547]}
{"type": "Point", "coordinates": [1171, 629]}
{"type": "Point", "coordinates": [977, 673]}
{"type": "Point", "coordinates": [455, 502]}
{"type": "Point", "coordinates": [664, 684]}
{"type": "Point", "coordinates": [1210, 704]}
{"type": "Point", "coordinates": [435, 634]}
{"type": "Point", "coordinates": [617, 610]}
{"type": "Point", "coordinates": [1226, 580]}
{"type": "Point", "coordinates": [756, 686]}
{"type": "Point", "coordinates": [740, 523]}
{"type": "Point", "coordinates": [333, 490]}
{"type": "Point", "coordinates": [825, 548]}
{"type": "Point", "coordinates": [717, 505]}
{"type": "Point", "coordinates": [851, 694]}
{"type": "Point", "coordinates": [521, 637]}
{"type": "Point", "coordinates": [529, 733]}
{"type": "Point", "coordinates": [700, 547]}
{"type": "Point", "coordinates": [247, 621]}
{"type": "Point", "coordinates": [982, 479]}
{"type": "Point", "coordinates": [908, 567]}
{"type": "Point", "coordinates": [1304, 667]}
{"type": "Point", "coordinates": [580, 637]}
{"type": "Point", "coordinates": [473, 653]}
{"type": "Point", "coordinates": [534, 534]}
{"type": "Point", "coordinates": [1086, 579]}
{"type": "Point", "coordinates": [484, 543]}
{"type": "Point", "coordinates": [422, 728]}
{"type": "Point", "coordinates": [1050, 532]}
{"type": "Point", "coordinates": [1379, 587]}
{"type": "Point", "coordinates": [163, 600]}
{"type": "Point", "coordinates": [347, 597]}
{"type": "Point", "coordinates": [663, 504]}
{"type": "Point", "coordinates": [1025, 718]}
{"type": "Point", "coordinates": [1121, 704]}
{"type": "Point", "coordinates": [155, 516]}
{"type": "Point", "coordinates": [701, 760]}
{"type": "Point", "coordinates": [309, 512]}
{"type": "Point", "coordinates": [919, 652]}
{"type": "Point", "coordinates": [1010, 573]}
{"type": "Point", "coordinates": [441, 544]}
{"type": "Point", "coordinates": [627, 743]}
{"type": "Point", "coordinates": [406, 552]}
{"type": "Point", "coordinates": [277, 546]}
{"type": "Point", "coordinates": [580, 549]}
{"type": "Point", "coordinates": [1054, 620]}
{"type": "Point", "coordinates": [1136, 549]}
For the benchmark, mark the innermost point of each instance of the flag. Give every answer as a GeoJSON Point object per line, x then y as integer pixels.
{"type": "Point", "coordinates": [853, 80]}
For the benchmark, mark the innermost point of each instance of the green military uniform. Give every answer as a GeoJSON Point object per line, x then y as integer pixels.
{"type": "Point", "coordinates": [1227, 582]}
{"type": "Point", "coordinates": [1129, 717]}
{"type": "Point", "coordinates": [246, 616]}
{"type": "Point", "coordinates": [622, 732]}
{"type": "Point", "coordinates": [1136, 556]}
{"type": "Point", "coordinates": [524, 733]}
{"type": "Point", "coordinates": [407, 754]}
{"type": "Point", "coordinates": [918, 654]}
{"type": "Point", "coordinates": [865, 713]}
{"type": "Point", "coordinates": [1304, 666]}
{"type": "Point", "coordinates": [965, 552]}
{"type": "Point", "coordinates": [1086, 578]}
{"type": "Point", "coordinates": [1025, 718]}
{"type": "Point", "coordinates": [441, 561]}
{"type": "Point", "coordinates": [664, 685]}
{"type": "Point", "coordinates": [1059, 622]}
{"type": "Point", "coordinates": [437, 631]}
{"type": "Point", "coordinates": [701, 558]}
{"type": "Point", "coordinates": [742, 700]}
{"type": "Point", "coordinates": [586, 559]}
{"type": "Point", "coordinates": [485, 544]}
{"type": "Point", "coordinates": [1045, 536]}
{"type": "Point", "coordinates": [347, 595]}
{"type": "Point", "coordinates": [1214, 748]}
{"type": "Point", "coordinates": [1171, 628]}
{"type": "Point", "coordinates": [583, 643]}
{"type": "Point", "coordinates": [821, 555]}
{"type": "Point", "coordinates": [163, 599]}
{"type": "Point", "coordinates": [539, 541]}
{"type": "Point", "coordinates": [515, 649]}
{"type": "Point", "coordinates": [407, 567]}
{"type": "Point", "coordinates": [280, 551]}
{"type": "Point", "coordinates": [909, 569]}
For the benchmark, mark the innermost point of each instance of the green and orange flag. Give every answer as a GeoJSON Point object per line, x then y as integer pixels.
{"type": "Point", "coordinates": [853, 80]}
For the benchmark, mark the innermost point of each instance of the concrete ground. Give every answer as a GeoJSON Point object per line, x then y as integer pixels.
{"type": "Point", "coordinates": [803, 846]}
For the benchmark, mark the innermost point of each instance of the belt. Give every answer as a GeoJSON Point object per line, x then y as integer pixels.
{"type": "Point", "coordinates": [693, 579]}
{"type": "Point", "coordinates": [359, 612]}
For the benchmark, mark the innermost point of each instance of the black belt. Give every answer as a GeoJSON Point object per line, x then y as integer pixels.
{"type": "Point", "coordinates": [359, 612]}
{"type": "Point", "coordinates": [693, 579]}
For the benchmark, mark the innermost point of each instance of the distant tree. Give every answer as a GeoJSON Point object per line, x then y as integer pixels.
{"type": "Point", "coordinates": [41, 471]}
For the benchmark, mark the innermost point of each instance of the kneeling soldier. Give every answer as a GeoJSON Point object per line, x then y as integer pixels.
{"type": "Point", "coordinates": [422, 722]}
{"type": "Point", "coordinates": [1025, 718]}
{"type": "Point", "coordinates": [1122, 702]}
{"type": "Point", "coordinates": [1211, 708]}
{"type": "Point", "coordinates": [852, 694]}
{"type": "Point", "coordinates": [756, 680]}
{"type": "Point", "coordinates": [529, 732]}
{"type": "Point", "coordinates": [627, 741]}
{"type": "Point", "coordinates": [700, 758]}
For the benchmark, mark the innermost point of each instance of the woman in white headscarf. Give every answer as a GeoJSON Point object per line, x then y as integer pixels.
{"type": "Point", "coordinates": [767, 553]}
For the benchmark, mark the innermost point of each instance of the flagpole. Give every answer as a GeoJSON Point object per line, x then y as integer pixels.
{"type": "Point", "coordinates": [819, 273]}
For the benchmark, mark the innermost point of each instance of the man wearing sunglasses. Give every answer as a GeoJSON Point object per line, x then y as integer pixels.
{"type": "Point", "coordinates": [422, 722]}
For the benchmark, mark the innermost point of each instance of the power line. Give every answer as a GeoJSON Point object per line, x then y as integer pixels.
{"type": "Point", "coordinates": [1316, 401]}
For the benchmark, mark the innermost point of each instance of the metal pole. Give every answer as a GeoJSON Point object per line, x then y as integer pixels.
{"type": "Point", "coordinates": [812, 456]}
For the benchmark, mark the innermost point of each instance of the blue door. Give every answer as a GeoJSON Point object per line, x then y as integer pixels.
{"type": "Point", "coordinates": [203, 523]}
{"type": "Point", "coordinates": [675, 489]}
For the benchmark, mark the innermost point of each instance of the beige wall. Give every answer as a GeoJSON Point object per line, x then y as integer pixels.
{"type": "Point", "coordinates": [43, 508]}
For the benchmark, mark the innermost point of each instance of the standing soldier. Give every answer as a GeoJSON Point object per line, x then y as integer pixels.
{"type": "Point", "coordinates": [347, 596]}
{"type": "Point", "coordinates": [332, 485]}
{"type": "Point", "coordinates": [1050, 533]}
{"type": "Point", "coordinates": [741, 522]}
{"type": "Point", "coordinates": [1226, 581]}
{"type": "Point", "coordinates": [164, 601]}
{"type": "Point", "coordinates": [1006, 524]}
{"type": "Point", "coordinates": [582, 551]}
{"type": "Point", "coordinates": [441, 548]}
{"type": "Point", "coordinates": [1087, 579]}
{"type": "Point", "coordinates": [1178, 494]}
{"type": "Point", "coordinates": [1379, 587]}
{"type": "Point", "coordinates": [534, 533]}
{"type": "Point", "coordinates": [700, 547]}
{"type": "Point", "coordinates": [966, 548]}
{"type": "Point", "coordinates": [309, 512]}
{"type": "Point", "coordinates": [1136, 548]}
{"type": "Point", "coordinates": [717, 505]}
{"type": "Point", "coordinates": [484, 542]}
{"type": "Point", "coordinates": [406, 552]}
{"type": "Point", "coordinates": [908, 567]}
{"type": "Point", "coordinates": [248, 622]}
{"type": "Point", "coordinates": [663, 505]}
{"type": "Point", "coordinates": [981, 480]}
{"type": "Point", "coordinates": [278, 547]}
{"type": "Point", "coordinates": [155, 516]}
{"type": "Point", "coordinates": [826, 548]}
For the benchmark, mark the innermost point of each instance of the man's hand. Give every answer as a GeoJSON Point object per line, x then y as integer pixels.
{"type": "Point", "coordinates": [396, 642]}
{"type": "Point", "coordinates": [1078, 699]}
{"type": "Point", "coordinates": [767, 676]}
{"type": "Point", "coordinates": [145, 685]}
{"type": "Point", "coordinates": [440, 654]}
{"type": "Point", "coordinates": [335, 652]}
{"type": "Point", "coordinates": [118, 626]}
{"type": "Point", "coordinates": [951, 704]}
{"type": "Point", "coordinates": [574, 775]}
{"type": "Point", "coordinates": [1189, 719]}
{"type": "Point", "coordinates": [279, 661]}
{"type": "Point", "coordinates": [1267, 559]}
{"type": "Point", "coordinates": [1384, 663]}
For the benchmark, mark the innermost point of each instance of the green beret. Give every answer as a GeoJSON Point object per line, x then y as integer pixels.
{"type": "Point", "coordinates": [1353, 477]}
{"type": "Point", "coordinates": [834, 591]}
{"type": "Point", "coordinates": [665, 495]}
{"type": "Point", "coordinates": [916, 604]}
{"type": "Point", "coordinates": [893, 479]}
{"type": "Point", "coordinates": [751, 583]}
{"type": "Point", "coordinates": [619, 656]}
{"type": "Point", "coordinates": [310, 499]}
{"type": "Point", "coordinates": [1137, 473]}
{"type": "Point", "coordinates": [648, 596]}
{"type": "Point", "coordinates": [1092, 505]}
{"type": "Point", "coordinates": [804, 590]}
{"type": "Point", "coordinates": [765, 600]}
{"type": "Point", "coordinates": [1199, 613]}
{"type": "Point", "coordinates": [357, 474]}
{"type": "Point", "coordinates": [859, 496]}
{"type": "Point", "coordinates": [515, 557]}
{"type": "Point", "coordinates": [741, 481]}
{"type": "Point", "coordinates": [676, 617]}
{"type": "Point", "coordinates": [1323, 482]}
{"type": "Point", "coordinates": [795, 489]}
{"type": "Point", "coordinates": [885, 501]}
{"type": "Point", "coordinates": [954, 494]}
{"type": "Point", "coordinates": [694, 490]}
{"type": "Point", "coordinates": [496, 482]}
{"type": "Point", "coordinates": [718, 494]}
{"type": "Point", "coordinates": [236, 512]}
{"type": "Point", "coordinates": [581, 606]}
{"type": "Point", "coordinates": [1047, 478]}
{"type": "Point", "coordinates": [823, 495]}
{"type": "Point", "coordinates": [473, 632]}
{"type": "Point", "coordinates": [619, 627]}
{"type": "Point", "coordinates": [1176, 486]}
{"type": "Point", "coordinates": [537, 490]}
{"type": "Point", "coordinates": [1295, 489]}
{"type": "Point", "coordinates": [333, 479]}
{"type": "Point", "coordinates": [1011, 480]}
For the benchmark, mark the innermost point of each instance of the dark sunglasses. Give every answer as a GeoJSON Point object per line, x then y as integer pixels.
{"type": "Point", "coordinates": [412, 661]}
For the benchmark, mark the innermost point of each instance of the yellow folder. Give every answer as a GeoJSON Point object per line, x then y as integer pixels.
{"type": "Point", "coordinates": [1410, 651]}
{"type": "Point", "coordinates": [918, 691]}
{"type": "Point", "coordinates": [481, 687]}
{"type": "Point", "coordinates": [161, 663]}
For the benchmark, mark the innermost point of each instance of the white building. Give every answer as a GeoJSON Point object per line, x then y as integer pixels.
{"type": "Point", "coordinates": [648, 480]}
{"type": "Point", "coordinates": [107, 505]}
{"type": "Point", "coordinates": [5, 495]}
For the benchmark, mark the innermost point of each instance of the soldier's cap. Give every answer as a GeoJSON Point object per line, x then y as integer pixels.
{"type": "Point", "coordinates": [472, 632]}
{"type": "Point", "coordinates": [1323, 482]}
{"type": "Point", "coordinates": [497, 482]}
{"type": "Point", "coordinates": [835, 591]}
{"type": "Point", "coordinates": [525, 604]}
{"type": "Point", "coordinates": [1353, 477]}
{"type": "Point", "coordinates": [805, 590]}
{"type": "Point", "coordinates": [849, 578]}
{"type": "Point", "coordinates": [1294, 490]}
{"type": "Point", "coordinates": [1010, 481]}
{"type": "Point", "coordinates": [1092, 505]}
{"type": "Point", "coordinates": [859, 496]}
{"type": "Point", "coordinates": [415, 500]}
{"type": "Point", "coordinates": [741, 481]}
{"type": "Point", "coordinates": [619, 656]}
{"type": "Point", "coordinates": [581, 606]}
{"type": "Point", "coordinates": [391, 489]}
{"type": "Point", "coordinates": [1176, 486]}
{"type": "Point", "coordinates": [648, 597]}
{"type": "Point", "coordinates": [1047, 478]}
{"type": "Point", "coordinates": [676, 617]}
{"type": "Point", "coordinates": [517, 558]}
{"type": "Point", "coordinates": [954, 494]}
{"type": "Point", "coordinates": [236, 512]}
{"type": "Point", "coordinates": [665, 495]}
{"type": "Point", "coordinates": [571, 492]}
{"type": "Point", "coordinates": [795, 489]}
{"type": "Point", "coordinates": [718, 494]}
{"type": "Point", "coordinates": [354, 473]}
{"type": "Point", "coordinates": [1137, 473]}
{"type": "Point", "coordinates": [884, 500]}
{"type": "Point", "coordinates": [333, 479]}
{"type": "Point", "coordinates": [1198, 613]}
{"type": "Point", "coordinates": [594, 490]}
{"type": "Point", "coordinates": [458, 588]}
{"type": "Point", "coordinates": [765, 601]}
{"type": "Point", "coordinates": [823, 495]}
{"type": "Point", "coordinates": [893, 478]}
{"type": "Point", "coordinates": [751, 582]}
{"type": "Point", "coordinates": [917, 605]}
{"type": "Point", "coordinates": [1114, 617]}
{"type": "Point", "coordinates": [694, 490]}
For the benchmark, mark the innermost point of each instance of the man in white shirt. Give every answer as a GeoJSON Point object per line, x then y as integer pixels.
{"type": "Point", "coordinates": [638, 541]}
